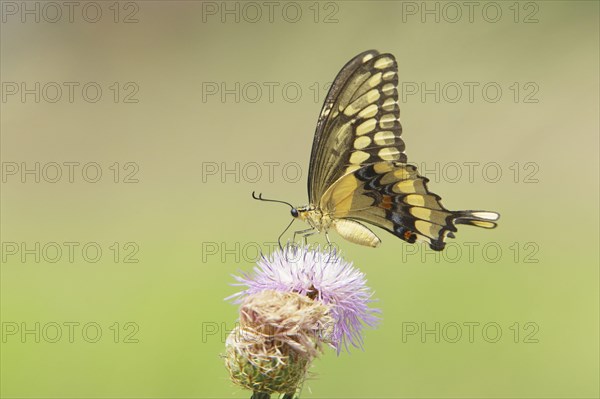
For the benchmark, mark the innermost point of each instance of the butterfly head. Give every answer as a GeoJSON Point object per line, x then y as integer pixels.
{"type": "Point", "coordinates": [300, 212]}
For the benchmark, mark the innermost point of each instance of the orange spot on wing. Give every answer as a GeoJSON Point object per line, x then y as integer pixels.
{"type": "Point", "coordinates": [410, 236]}
{"type": "Point", "coordinates": [386, 202]}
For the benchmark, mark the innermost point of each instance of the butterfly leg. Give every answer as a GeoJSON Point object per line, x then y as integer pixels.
{"type": "Point", "coordinates": [310, 233]}
{"type": "Point", "coordinates": [303, 233]}
{"type": "Point", "coordinates": [330, 247]}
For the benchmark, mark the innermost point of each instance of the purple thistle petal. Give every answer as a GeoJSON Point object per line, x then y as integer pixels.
{"type": "Point", "coordinates": [337, 283]}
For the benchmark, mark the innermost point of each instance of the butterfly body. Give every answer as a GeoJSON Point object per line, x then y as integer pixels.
{"type": "Point", "coordinates": [358, 171]}
{"type": "Point", "coordinates": [314, 217]}
{"type": "Point", "coordinates": [320, 221]}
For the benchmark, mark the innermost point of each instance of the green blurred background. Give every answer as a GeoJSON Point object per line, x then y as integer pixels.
{"type": "Point", "coordinates": [190, 224]}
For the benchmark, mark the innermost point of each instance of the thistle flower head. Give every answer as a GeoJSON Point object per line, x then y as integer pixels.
{"type": "Point", "coordinates": [289, 318]}
{"type": "Point", "coordinates": [323, 276]}
{"type": "Point", "coordinates": [277, 338]}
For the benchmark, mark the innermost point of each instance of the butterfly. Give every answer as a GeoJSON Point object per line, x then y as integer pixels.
{"type": "Point", "coordinates": [358, 170]}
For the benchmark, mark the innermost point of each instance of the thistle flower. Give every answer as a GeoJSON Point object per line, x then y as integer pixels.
{"type": "Point", "coordinates": [323, 276]}
{"type": "Point", "coordinates": [272, 348]}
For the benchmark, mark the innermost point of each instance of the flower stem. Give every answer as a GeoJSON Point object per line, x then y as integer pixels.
{"type": "Point", "coordinates": [260, 395]}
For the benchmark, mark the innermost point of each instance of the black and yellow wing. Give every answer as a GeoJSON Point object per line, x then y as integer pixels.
{"type": "Point", "coordinates": [359, 123]}
{"type": "Point", "coordinates": [393, 196]}
{"type": "Point", "coordinates": [358, 169]}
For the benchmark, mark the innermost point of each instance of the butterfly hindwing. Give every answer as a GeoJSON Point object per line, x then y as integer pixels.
{"type": "Point", "coordinates": [359, 123]}
{"type": "Point", "coordinates": [395, 197]}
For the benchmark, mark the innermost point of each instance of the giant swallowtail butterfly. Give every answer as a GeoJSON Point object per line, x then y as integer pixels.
{"type": "Point", "coordinates": [358, 171]}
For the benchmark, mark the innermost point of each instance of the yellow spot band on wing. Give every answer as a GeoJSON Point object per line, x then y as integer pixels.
{"type": "Point", "coordinates": [427, 228]}
{"type": "Point", "coordinates": [405, 187]}
{"type": "Point", "coordinates": [383, 63]}
{"type": "Point", "coordinates": [384, 138]}
{"type": "Point", "coordinates": [421, 213]}
{"type": "Point", "coordinates": [351, 168]}
{"type": "Point", "coordinates": [388, 89]}
{"type": "Point", "coordinates": [387, 121]}
{"type": "Point", "coordinates": [395, 176]}
{"type": "Point", "coordinates": [414, 199]}
{"type": "Point", "coordinates": [389, 104]}
{"type": "Point", "coordinates": [368, 112]}
{"type": "Point", "coordinates": [382, 167]}
{"type": "Point", "coordinates": [389, 75]}
{"type": "Point", "coordinates": [366, 126]}
{"type": "Point", "coordinates": [389, 154]}
{"type": "Point", "coordinates": [375, 79]}
{"type": "Point", "coordinates": [367, 58]}
{"type": "Point", "coordinates": [359, 157]}
{"type": "Point", "coordinates": [361, 102]}
{"type": "Point", "coordinates": [362, 142]}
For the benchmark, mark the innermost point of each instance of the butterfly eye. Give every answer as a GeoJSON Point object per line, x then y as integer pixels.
{"type": "Point", "coordinates": [294, 212]}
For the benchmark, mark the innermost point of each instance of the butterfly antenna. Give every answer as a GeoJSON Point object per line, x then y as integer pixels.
{"type": "Point", "coordinates": [283, 232]}
{"type": "Point", "coordinates": [260, 198]}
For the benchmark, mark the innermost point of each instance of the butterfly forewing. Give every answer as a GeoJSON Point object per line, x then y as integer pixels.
{"type": "Point", "coordinates": [359, 123]}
